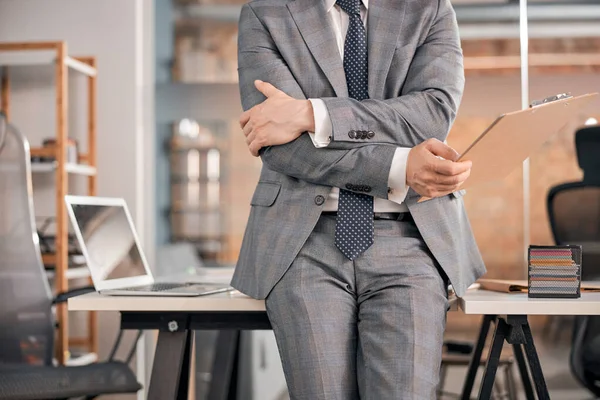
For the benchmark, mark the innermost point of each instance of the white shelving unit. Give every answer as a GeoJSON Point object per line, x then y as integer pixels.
{"type": "Point", "coordinates": [77, 169]}
{"type": "Point", "coordinates": [17, 57]}
{"type": "Point", "coordinates": [43, 57]}
{"type": "Point", "coordinates": [72, 273]}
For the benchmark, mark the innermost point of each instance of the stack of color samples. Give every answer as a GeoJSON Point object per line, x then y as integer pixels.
{"type": "Point", "coordinates": [554, 271]}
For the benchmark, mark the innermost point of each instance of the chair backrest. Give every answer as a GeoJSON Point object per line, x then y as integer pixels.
{"type": "Point", "coordinates": [574, 213]}
{"type": "Point", "coordinates": [587, 143]}
{"type": "Point", "coordinates": [26, 321]}
{"type": "Point", "coordinates": [574, 208]}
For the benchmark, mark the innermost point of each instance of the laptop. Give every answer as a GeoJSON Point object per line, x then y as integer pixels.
{"type": "Point", "coordinates": [111, 247]}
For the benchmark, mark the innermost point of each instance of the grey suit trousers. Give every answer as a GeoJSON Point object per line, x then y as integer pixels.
{"type": "Point", "coordinates": [371, 328]}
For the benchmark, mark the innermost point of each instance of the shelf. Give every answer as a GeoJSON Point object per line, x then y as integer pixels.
{"type": "Point", "coordinates": [195, 210]}
{"type": "Point", "coordinates": [77, 169]}
{"type": "Point", "coordinates": [42, 57]}
{"type": "Point", "coordinates": [72, 273]}
{"type": "Point", "coordinates": [76, 260]}
{"type": "Point", "coordinates": [49, 61]}
{"type": "Point", "coordinates": [217, 12]}
{"type": "Point", "coordinates": [77, 360]}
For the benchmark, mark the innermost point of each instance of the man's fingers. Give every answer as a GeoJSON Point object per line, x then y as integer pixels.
{"type": "Point", "coordinates": [244, 118]}
{"type": "Point", "coordinates": [254, 148]}
{"type": "Point", "coordinates": [449, 182]}
{"type": "Point", "coordinates": [266, 88]}
{"type": "Point", "coordinates": [250, 137]}
{"type": "Point", "coordinates": [248, 128]}
{"type": "Point", "coordinates": [442, 149]}
{"type": "Point", "coordinates": [450, 168]}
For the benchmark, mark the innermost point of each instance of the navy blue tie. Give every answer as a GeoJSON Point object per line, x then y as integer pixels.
{"type": "Point", "coordinates": [354, 226]}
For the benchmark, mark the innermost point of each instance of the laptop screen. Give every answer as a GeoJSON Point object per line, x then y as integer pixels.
{"type": "Point", "coordinates": [108, 237]}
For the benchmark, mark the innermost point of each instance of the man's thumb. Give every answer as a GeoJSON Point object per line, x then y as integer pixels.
{"type": "Point", "coordinates": [266, 88]}
{"type": "Point", "coordinates": [441, 149]}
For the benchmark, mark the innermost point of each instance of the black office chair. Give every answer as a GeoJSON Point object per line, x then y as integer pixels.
{"type": "Point", "coordinates": [585, 352]}
{"type": "Point", "coordinates": [26, 305]}
{"type": "Point", "coordinates": [574, 208]}
{"type": "Point", "coordinates": [574, 214]}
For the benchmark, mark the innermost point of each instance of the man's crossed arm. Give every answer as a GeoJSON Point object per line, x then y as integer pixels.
{"type": "Point", "coordinates": [278, 116]}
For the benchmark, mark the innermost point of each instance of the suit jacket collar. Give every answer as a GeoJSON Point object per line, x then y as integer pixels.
{"type": "Point", "coordinates": [384, 22]}
{"type": "Point", "coordinates": [316, 30]}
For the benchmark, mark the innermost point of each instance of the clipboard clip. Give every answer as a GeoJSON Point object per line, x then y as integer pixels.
{"type": "Point", "coordinates": [550, 99]}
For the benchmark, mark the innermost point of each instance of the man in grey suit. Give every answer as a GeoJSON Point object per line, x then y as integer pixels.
{"type": "Point", "coordinates": [348, 104]}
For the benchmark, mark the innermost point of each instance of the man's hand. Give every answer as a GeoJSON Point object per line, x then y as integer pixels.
{"type": "Point", "coordinates": [278, 120]}
{"type": "Point", "coordinates": [432, 170]}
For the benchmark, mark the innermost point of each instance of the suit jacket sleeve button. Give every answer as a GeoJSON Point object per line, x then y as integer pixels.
{"type": "Point", "coordinates": [319, 200]}
{"type": "Point", "coordinates": [352, 134]}
{"type": "Point", "coordinates": [367, 189]}
{"type": "Point", "coordinates": [349, 186]}
{"type": "Point", "coordinates": [370, 134]}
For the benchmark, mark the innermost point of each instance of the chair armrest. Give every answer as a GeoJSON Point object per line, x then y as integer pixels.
{"type": "Point", "coordinates": [62, 297]}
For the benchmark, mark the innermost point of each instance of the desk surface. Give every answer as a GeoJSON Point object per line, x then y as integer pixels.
{"type": "Point", "coordinates": [494, 303]}
{"type": "Point", "coordinates": [232, 301]}
{"type": "Point", "coordinates": [474, 302]}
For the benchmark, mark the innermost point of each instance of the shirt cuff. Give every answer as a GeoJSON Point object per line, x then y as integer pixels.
{"type": "Point", "coordinates": [321, 137]}
{"type": "Point", "coordinates": [397, 179]}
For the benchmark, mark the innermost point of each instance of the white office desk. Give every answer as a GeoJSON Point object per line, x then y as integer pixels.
{"type": "Point", "coordinates": [224, 302]}
{"type": "Point", "coordinates": [509, 313]}
{"type": "Point", "coordinates": [232, 301]}
{"type": "Point", "coordinates": [484, 302]}
{"type": "Point", "coordinates": [176, 318]}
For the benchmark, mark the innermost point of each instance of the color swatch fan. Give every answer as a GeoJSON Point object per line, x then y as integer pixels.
{"type": "Point", "coordinates": [554, 271]}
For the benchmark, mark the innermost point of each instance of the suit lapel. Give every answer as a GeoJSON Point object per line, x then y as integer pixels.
{"type": "Point", "coordinates": [383, 30]}
{"type": "Point", "coordinates": [315, 27]}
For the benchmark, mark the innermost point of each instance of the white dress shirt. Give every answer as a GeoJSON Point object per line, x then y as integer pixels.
{"type": "Point", "coordinates": [323, 128]}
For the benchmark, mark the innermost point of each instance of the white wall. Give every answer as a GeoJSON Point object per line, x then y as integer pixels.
{"type": "Point", "coordinates": [119, 34]}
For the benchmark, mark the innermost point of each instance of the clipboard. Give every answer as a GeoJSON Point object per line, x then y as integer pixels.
{"type": "Point", "coordinates": [515, 136]}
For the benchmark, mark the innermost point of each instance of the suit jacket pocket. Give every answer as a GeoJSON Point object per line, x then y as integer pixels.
{"type": "Point", "coordinates": [265, 194]}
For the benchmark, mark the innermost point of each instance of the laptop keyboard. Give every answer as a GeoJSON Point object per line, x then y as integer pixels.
{"type": "Point", "coordinates": [156, 287]}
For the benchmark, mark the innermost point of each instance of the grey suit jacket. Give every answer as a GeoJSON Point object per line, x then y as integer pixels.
{"type": "Point", "coordinates": [416, 81]}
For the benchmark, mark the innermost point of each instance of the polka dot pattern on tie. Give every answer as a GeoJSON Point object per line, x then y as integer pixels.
{"type": "Point", "coordinates": [354, 226]}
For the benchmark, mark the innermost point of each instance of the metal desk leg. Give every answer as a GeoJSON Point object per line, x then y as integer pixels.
{"type": "Point", "coordinates": [476, 357]}
{"type": "Point", "coordinates": [171, 368]}
{"type": "Point", "coordinates": [493, 360]}
{"type": "Point", "coordinates": [223, 385]}
{"type": "Point", "coordinates": [534, 364]}
{"type": "Point", "coordinates": [518, 352]}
